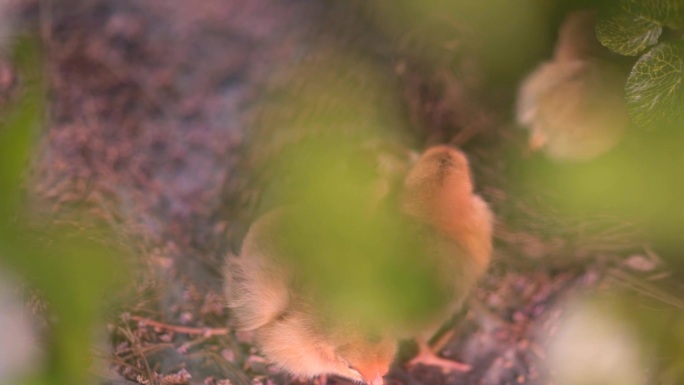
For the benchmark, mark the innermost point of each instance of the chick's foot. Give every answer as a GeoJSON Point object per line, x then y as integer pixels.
{"type": "Point", "coordinates": [427, 357]}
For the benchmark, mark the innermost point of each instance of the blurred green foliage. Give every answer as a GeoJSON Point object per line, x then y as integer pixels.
{"type": "Point", "coordinates": [359, 263]}
{"type": "Point", "coordinates": [654, 89]}
{"type": "Point", "coordinates": [505, 34]}
{"type": "Point", "coordinates": [336, 98]}
{"type": "Point", "coordinates": [18, 125]}
{"type": "Point", "coordinates": [73, 269]}
{"type": "Point", "coordinates": [362, 264]}
{"type": "Point", "coordinates": [639, 182]}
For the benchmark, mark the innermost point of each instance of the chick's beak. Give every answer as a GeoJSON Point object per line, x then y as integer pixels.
{"type": "Point", "coordinates": [376, 381]}
{"type": "Point", "coordinates": [537, 141]}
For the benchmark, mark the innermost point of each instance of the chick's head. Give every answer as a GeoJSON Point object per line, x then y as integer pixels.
{"type": "Point", "coordinates": [439, 181]}
{"type": "Point", "coordinates": [579, 111]}
{"type": "Point", "coordinates": [367, 359]}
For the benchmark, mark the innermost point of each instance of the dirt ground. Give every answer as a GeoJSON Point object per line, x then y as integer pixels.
{"type": "Point", "coordinates": [150, 124]}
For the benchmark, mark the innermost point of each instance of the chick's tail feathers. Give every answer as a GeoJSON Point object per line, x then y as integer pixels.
{"type": "Point", "coordinates": [255, 295]}
{"type": "Point", "coordinates": [256, 287]}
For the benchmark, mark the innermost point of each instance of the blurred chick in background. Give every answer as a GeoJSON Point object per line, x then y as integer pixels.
{"type": "Point", "coordinates": [574, 104]}
{"type": "Point", "coordinates": [269, 293]}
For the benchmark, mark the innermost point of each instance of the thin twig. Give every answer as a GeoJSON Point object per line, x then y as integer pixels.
{"type": "Point", "coordinates": [129, 353]}
{"type": "Point", "coordinates": [128, 333]}
{"type": "Point", "coordinates": [646, 288]}
{"type": "Point", "coordinates": [207, 332]}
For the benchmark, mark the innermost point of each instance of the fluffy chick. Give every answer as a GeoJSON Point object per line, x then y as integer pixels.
{"type": "Point", "coordinates": [574, 105]}
{"type": "Point", "coordinates": [265, 295]}
{"type": "Point", "coordinates": [438, 192]}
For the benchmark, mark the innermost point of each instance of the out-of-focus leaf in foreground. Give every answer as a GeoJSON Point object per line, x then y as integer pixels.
{"type": "Point", "coordinates": [639, 183]}
{"type": "Point", "coordinates": [19, 124]}
{"type": "Point", "coordinates": [322, 110]}
{"type": "Point", "coordinates": [359, 265]}
{"type": "Point", "coordinates": [655, 87]}
{"type": "Point", "coordinates": [505, 33]}
{"type": "Point", "coordinates": [73, 269]}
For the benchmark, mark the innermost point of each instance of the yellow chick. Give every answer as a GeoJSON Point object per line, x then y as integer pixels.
{"type": "Point", "coordinates": [289, 328]}
{"type": "Point", "coordinates": [438, 192]}
{"type": "Point", "coordinates": [574, 105]}
{"type": "Point", "coordinates": [266, 294]}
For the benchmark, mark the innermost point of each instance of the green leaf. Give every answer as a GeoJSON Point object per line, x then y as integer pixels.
{"type": "Point", "coordinates": [667, 12]}
{"type": "Point", "coordinates": [655, 87]}
{"type": "Point", "coordinates": [18, 124]}
{"type": "Point", "coordinates": [627, 30]}
{"type": "Point", "coordinates": [629, 27]}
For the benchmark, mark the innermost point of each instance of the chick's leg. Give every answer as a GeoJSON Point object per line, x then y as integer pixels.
{"type": "Point", "coordinates": [320, 380]}
{"type": "Point", "coordinates": [427, 356]}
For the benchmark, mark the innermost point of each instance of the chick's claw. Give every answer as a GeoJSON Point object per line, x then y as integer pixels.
{"type": "Point", "coordinates": [427, 357]}
{"type": "Point", "coordinates": [320, 380]}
